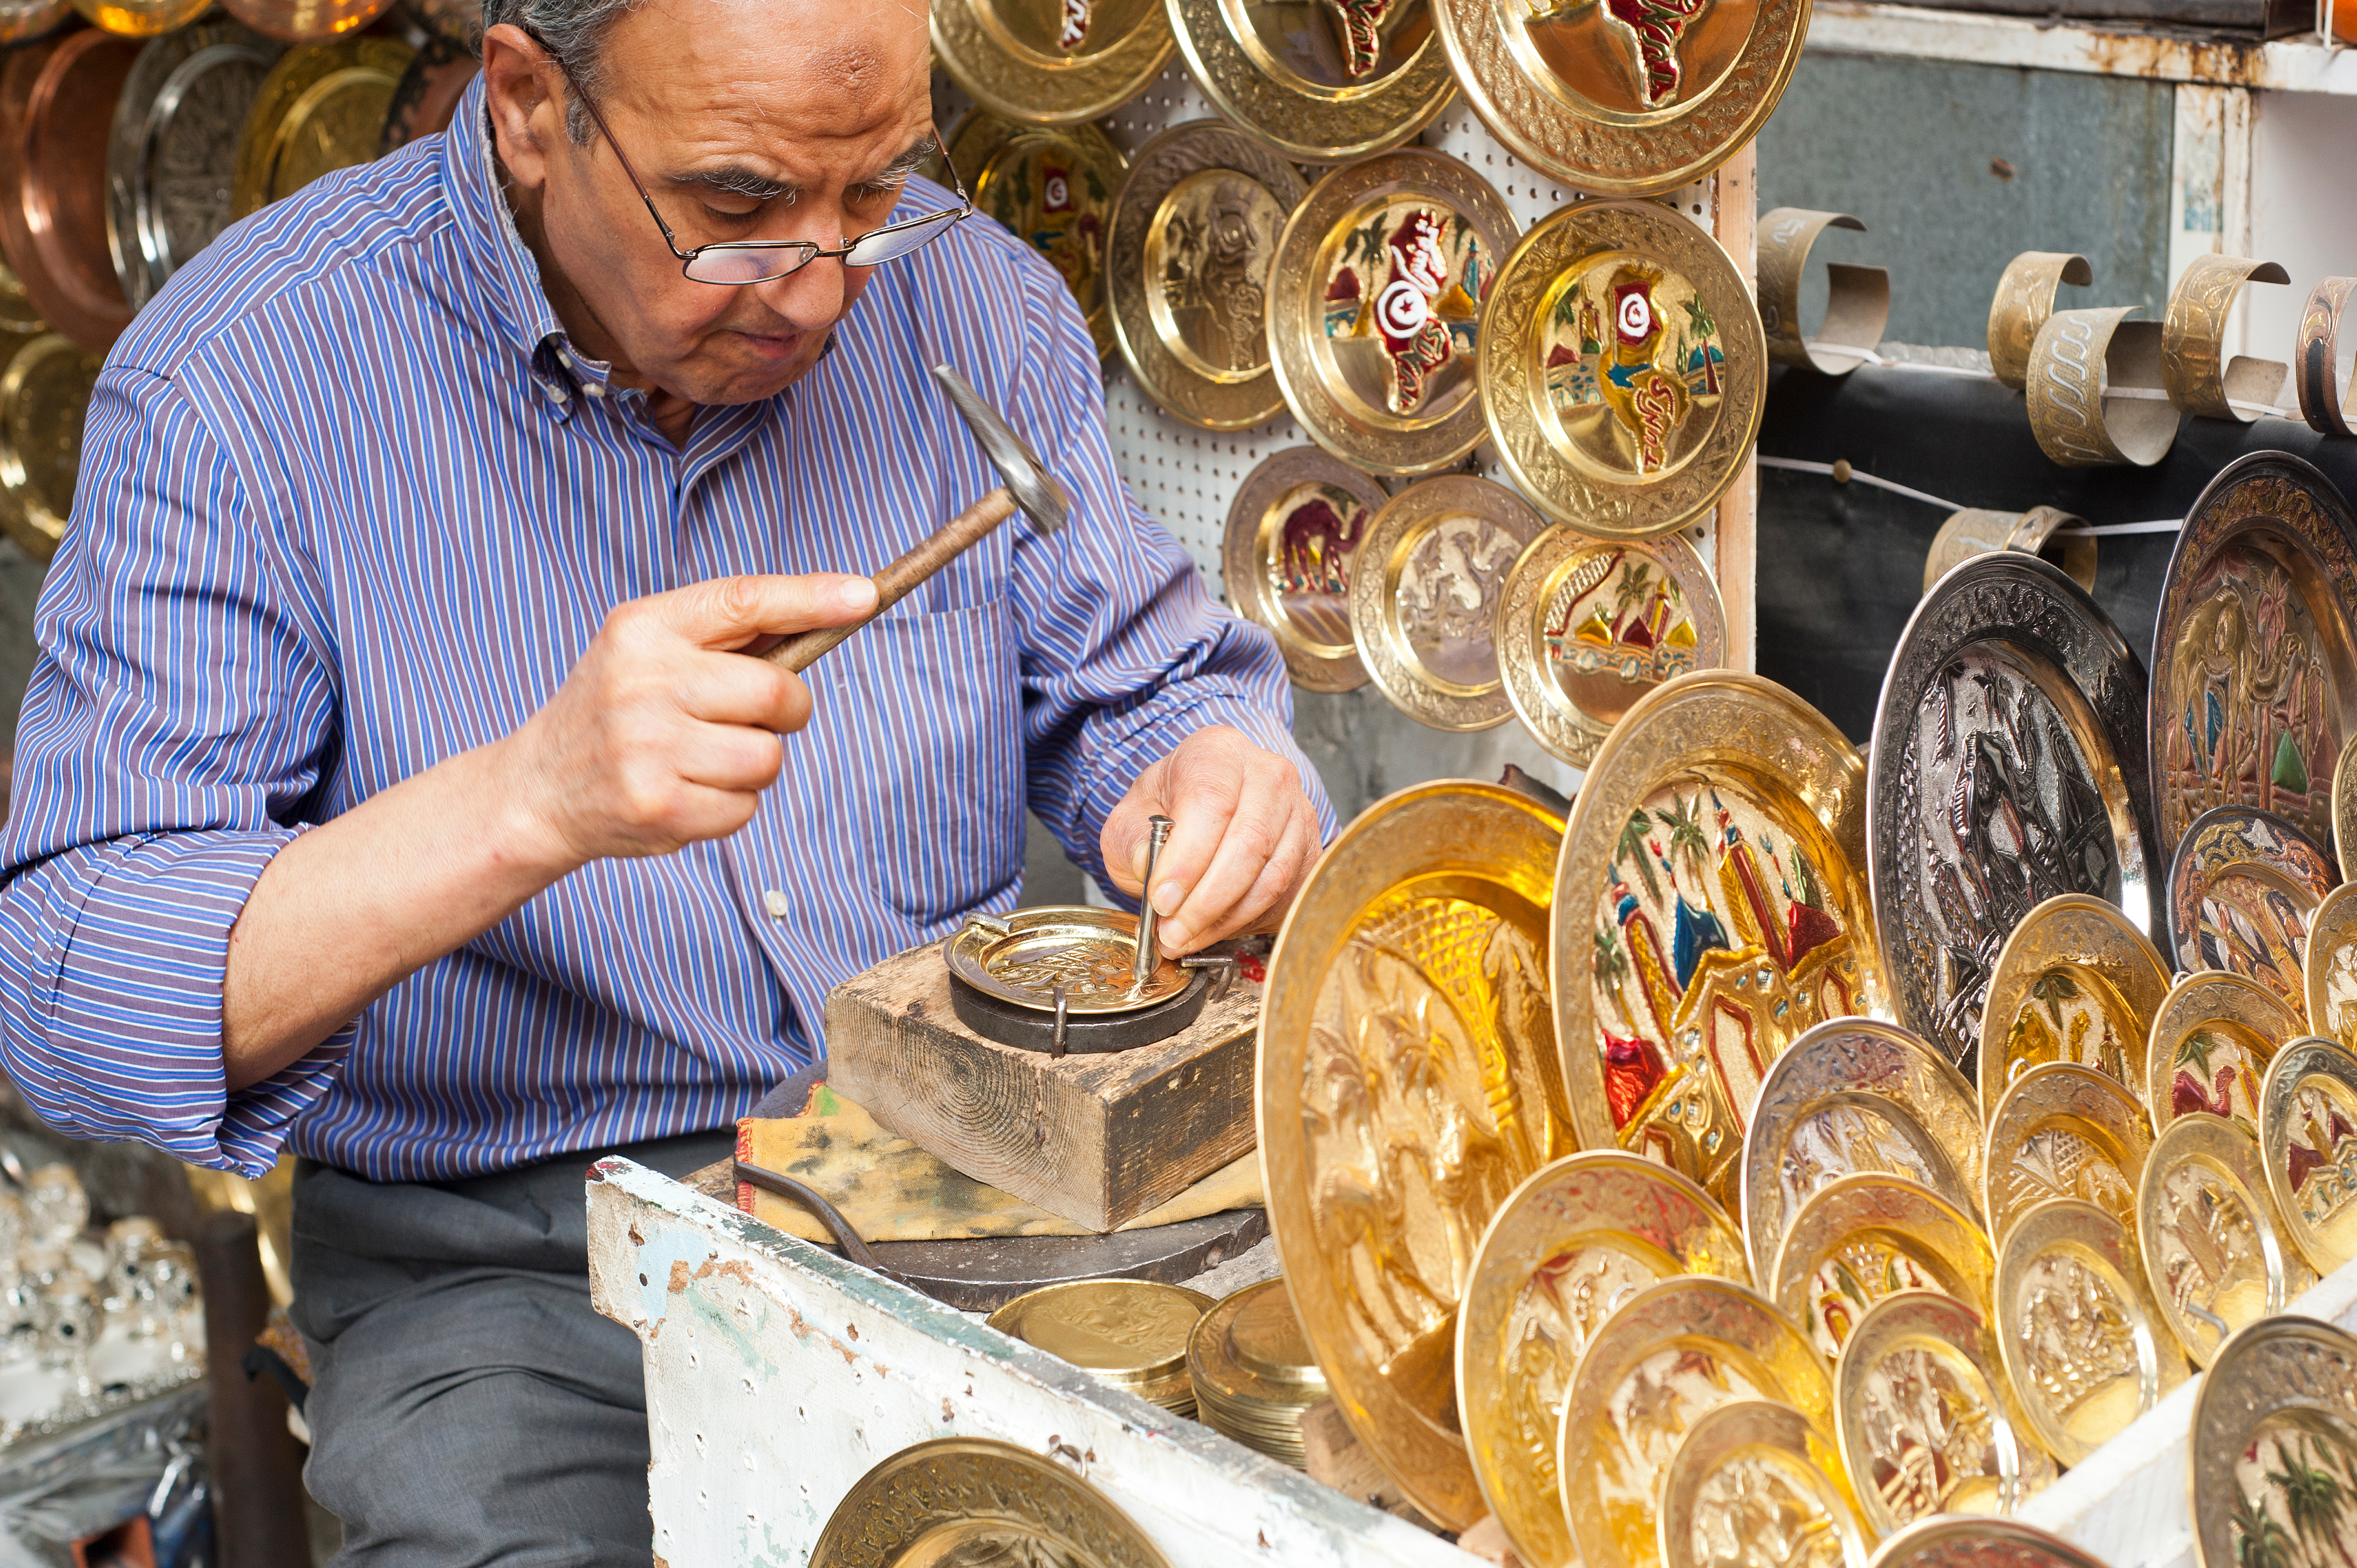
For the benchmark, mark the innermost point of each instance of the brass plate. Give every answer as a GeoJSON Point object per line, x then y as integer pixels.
{"type": "Point", "coordinates": [2330, 967]}
{"type": "Point", "coordinates": [1968, 1542]}
{"type": "Point", "coordinates": [2253, 635]}
{"type": "Point", "coordinates": [141, 18]}
{"type": "Point", "coordinates": [25, 21]}
{"type": "Point", "coordinates": [2211, 1044]}
{"type": "Point", "coordinates": [1375, 305]}
{"type": "Point", "coordinates": [321, 108]}
{"type": "Point", "coordinates": [2008, 768]}
{"type": "Point", "coordinates": [976, 1500]}
{"type": "Point", "coordinates": [1588, 626]}
{"type": "Point", "coordinates": [2274, 1426]}
{"type": "Point", "coordinates": [427, 100]}
{"type": "Point", "coordinates": [1753, 1476]}
{"type": "Point", "coordinates": [1188, 254]}
{"type": "Point", "coordinates": [2241, 891]}
{"type": "Point", "coordinates": [1861, 1237]}
{"type": "Point", "coordinates": [2308, 1136]}
{"type": "Point", "coordinates": [1711, 875]}
{"type": "Point", "coordinates": [2215, 1253]}
{"type": "Point", "coordinates": [1087, 950]}
{"type": "Point", "coordinates": [2076, 983]}
{"type": "Point", "coordinates": [1976, 532]}
{"type": "Point", "coordinates": [57, 106]}
{"type": "Point", "coordinates": [1252, 1371]}
{"type": "Point", "coordinates": [1293, 531]}
{"type": "Point", "coordinates": [1319, 81]}
{"type": "Point", "coordinates": [2344, 808]}
{"type": "Point", "coordinates": [1051, 62]}
{"type": "Point", "coordinates": [1407, 1084]}
{"type": "Point", "coordinates": [1624, 98]}
{"type": "Point", "coordinates": [1575, 1241]}
{"type": "Point", "coordinates": [1054, 186]}
{"type": "Point", "coordinates": [1681, 1347]}
{"type": "Point", "coordinates": [1853, 1095]}
{"type": "Point", "coordinates": [1927, 1421]}
{"type": "Point", "coordinates": [1623, 368]}
{"type": "Point", "coordinates": [1126, 1331]}
{"type": "Point", "coordinates": [309, 21]}
{"type": "Point", "coordinates": [18, 315]}
{"type": "Point", "coordinates": [1425, 588]}
{"type": "Point", "coordinates": [2083, 1339]}
{"type": "Point", "coordinates": [2062, 1131]}
{"type": "Point", "coordinates": [174, 148]}
{"type": "Point", "coordinates": [44, 397]}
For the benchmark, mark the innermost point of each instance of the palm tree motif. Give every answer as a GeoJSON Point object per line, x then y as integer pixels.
{"type": "Point", "coordinates": [1636, 582]}
{"type": "Point", "coordinates": [2314, 1501]}
{"type": "Point", "coordinates": [1686, 836]}
{"type": "Point", "coordinates": [2054, 989]}
{"type": "Point", "coordinates": [1612, 964]}
{"type": "Point", "coordinates": [1631, 846]}
{"type": "Point", "coordinates": [2195, 1051]}
{"type": "Point", "coordinates": [2259, 1541]}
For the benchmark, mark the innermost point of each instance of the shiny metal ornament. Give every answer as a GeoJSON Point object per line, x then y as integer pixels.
{"type": "Point", "coordinates": [1711, 905]}
{"type": "Point", "coordinates": [321, 108]}
{"type": "Point", "coordinates": [2214, 1250]}
{"type": "Point", "coordinates": [2344, 808]}
{"type": "Point", "coordinates": [1623, 368]}
{"type": "Point", "coordinates": [427, 98]}
{"type": "Point", "coordinates": [44, 397]}
{"type": "Point", "coordinates": [1294, 530]}
{"type": "Point", "coordinates": [141, 18]}
{"type": "Point", "coordinates": [2329, 968]}
{"type": "Point", "coordinates": [57, 104]}
{"type": "Point", "coordinates": [2008, 768]}
{"type": "Point", "coordinates": [1974, 531]}
{"type": "Point", "coordinates": [173, 155]}
{"type": "Point", "coordinates": [1253, 1372]}
{"type": "Point", "coordinates": [2024, 299]}
{"type": "Point", "coordinates": [2075, 982]}
{"type": "Point", "coordinates": [1406, 1010]}
{"type": "Point", "coordinates": [2308, 1136]}
{"type": "Point", "coordinates": [1085, 950]}
{"type": "Point", "coordinates": [20, 318]}
{"type": "Point", "coordinates": [26, 21]}
{"type": "Point", "coordinates": [1055, 187]}
{"type": "Point", "coordinates": [1967, 1542]}
{"type": "Point", "coordinates": [2276, 1415]}
{"type": "Point", "coordinates": [1375, 304]}
{"type": "Point", "coordinates": [1132, 1334]}
{"type": "Point", "coordinates": [1320, 81]}
{"type": "Point", "coordinates": [1577, 1241]}
{"type": "Point", "coordinates": [1588, 626]}
{"type": "Point", "coordinates": [1749, 1460]}
{"type": "Point", "coordinates": [2062, 1131]}
{"type": "Point", "coordinates": [2210, 1045]}
{"type": "Point", "coordinates": [1193, 233]}
{"type": "Point", "coordinates": [1863, 1237]}
{"type": "Point", "coordinates": [976, 1500]}
{"type": "Point", "coordinates": [1051, 62]}
{"type": "Point", "coordinates": [2241, 892]}
{"type": "Point", "coordinates": [309, 21]}
{"type": "Point", "coordinates": [2253, 696]}
{"type": "Point", "coordinates": [456, 22]}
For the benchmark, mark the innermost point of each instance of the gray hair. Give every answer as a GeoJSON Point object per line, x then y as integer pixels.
{"type": "Point", "coordinates": [575, 32]}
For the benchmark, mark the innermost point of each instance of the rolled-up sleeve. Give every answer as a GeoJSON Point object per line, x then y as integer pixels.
{"type": "Point", "coordinates": [178, 718]}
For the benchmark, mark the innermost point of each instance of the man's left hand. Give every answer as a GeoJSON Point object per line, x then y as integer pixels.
{"type": "Point", "coordinates": [1242, 839]}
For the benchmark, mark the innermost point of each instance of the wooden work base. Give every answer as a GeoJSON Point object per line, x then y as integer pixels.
{"type": "Point", "coordinates": [1096, 1139]}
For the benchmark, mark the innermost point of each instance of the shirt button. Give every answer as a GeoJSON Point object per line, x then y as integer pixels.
{"type": "Point", "coordinates": [595, 388]}
{"type": "Point", "coordinates": [775, 902]}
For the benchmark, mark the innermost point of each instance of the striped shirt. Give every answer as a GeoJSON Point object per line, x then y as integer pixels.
{"type": "Point", "coordinates": [349, 504]}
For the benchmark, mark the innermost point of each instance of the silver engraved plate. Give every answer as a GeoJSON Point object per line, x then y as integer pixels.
{"type": "Point", "coordinates": [2008, 768]}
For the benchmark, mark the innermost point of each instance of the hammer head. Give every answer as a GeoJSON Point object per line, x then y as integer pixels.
{"type": "Point", "coordinates": [1040, 497]}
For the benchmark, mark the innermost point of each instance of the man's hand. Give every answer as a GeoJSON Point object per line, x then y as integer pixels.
{"type": "Point", "coordinates": [1243, 837]}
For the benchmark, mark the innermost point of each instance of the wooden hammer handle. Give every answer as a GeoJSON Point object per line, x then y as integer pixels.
{"type": "Point", "coordinates": [953, 539]}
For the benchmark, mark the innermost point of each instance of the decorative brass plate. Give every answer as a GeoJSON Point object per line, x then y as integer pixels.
{"type": "Point", "coordinates": [57, 105]}
{"type": "Point", "coordinates": [1681, 1347]}
{"type": "Point", "coordinates": [1588, 626]}
{"type": "Point", "coordinates": [1054, 186]}
{"type": "Point", "coordinates": [1623, 368]}
{"type": "Point", "coordinates": [1130, 1333]}
{"type": "Point", "coordinates": [174, 148]}
{"type": "Point", "coordinates": [2062, 1131]}
{"type": "Point", "coordinates": [44, 397]}
{"type": "Point", "coordinates": [1976, 532]}
{"type": "Point", "coordinates": [2083, 1339]}
{"type": "Point", "coordinates": [2214, 1249]}
{"type": "Point", "coordinates": [1051, 62]}
{"type": "Point", "coordinates": [1319, 80]}
{"type": "Point", "coordinates": [1407, 1084]}
{"type": "Point", "coordinates": [1425, 588]}
{"type": "Point", "coordinates": [1252, 1370]}
{"type": "Point", "coordinates": [141, 18]}
{"type": "Point", "coordinates": [1626, 97]}
{"type": "Point", "coordinates": [2308, 1136]}
{"type": "Point", "coordinates": [2008, 768]}
{"type": "Point", "coordinates": [975, 1500]}
{"type": "Point", "coordinates": [2241, 891]}
{"type": "Point", "coordinates": [321, 108]}
{"type": "Point", "coordinates": [2211, 1043]}
{"type": "Point", "coordinates": [24, 21]}
{"type": "Point", "coordinates": [1188, 254]}
{"type": "Point", "coordinates": [2075, 982]}
{"type": "Point", "coordinates": [309, 21]}
{"type": "Point", "coordinates": [1928, 1423]}
{"type": "Point", "coordinates": [2274, 1426]}
{"type": "Point", "coordinates": [1086, 951]}
{"type": "Point", "coordinates": [1375, 302]}
{"type": "Point", "coordinates": [1580, 1238]}
{"type": "Point", "coordinates": [2254, 675]}
{"type": "Point", "coordinates": [1963, 1542]}
{"type": "Point", "coordinates": [1293, 532]}
{"type": "Point", "coordinates": [1854, 1095]}
{"type": "Point", "coordinates": [1710, 906]}
{"type": "Point", "coordinates": [2344, 808]}
{"type": "Point", "coordinates": [2330, 967]}
{"type": "Point", "coordinates": [1861, 1237]}
{"type": "Point", "coordinates": [1749, 1477]}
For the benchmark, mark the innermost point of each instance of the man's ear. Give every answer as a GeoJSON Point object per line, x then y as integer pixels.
{"type": "Point", "coordinates": [526, 114]}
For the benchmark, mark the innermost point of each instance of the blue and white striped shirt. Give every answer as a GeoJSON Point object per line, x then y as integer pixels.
{"type": "Point", "coordinates": [349, 505]}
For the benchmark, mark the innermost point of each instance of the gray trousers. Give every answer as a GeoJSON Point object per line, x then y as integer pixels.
{"type": "Point", "coordinates": [467, 1405]}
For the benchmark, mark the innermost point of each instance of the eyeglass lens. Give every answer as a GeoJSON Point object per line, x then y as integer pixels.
{"type": "Point", "coordinates": [735, 264]}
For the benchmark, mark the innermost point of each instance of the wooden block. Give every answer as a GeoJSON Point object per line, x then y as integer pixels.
{"type": "Point", "coordinates": [1337, 1457]}
{"type": "Point", "coordinates": [1485, 1537]}
{"type": "Point", "coordinates": [1097, 1139]}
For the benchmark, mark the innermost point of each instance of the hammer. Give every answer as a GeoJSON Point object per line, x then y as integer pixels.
{"type": "Point", "coordinates": [1027, 489]}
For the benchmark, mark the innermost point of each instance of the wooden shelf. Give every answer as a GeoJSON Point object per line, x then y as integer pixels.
{"type": "Point", "coordinates": [2100, 48]}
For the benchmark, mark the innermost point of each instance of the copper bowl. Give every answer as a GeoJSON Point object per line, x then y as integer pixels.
{"type": "Point", "coordinates": [428, 95]}
{"type": "Point", "coordinates": [57, 117]}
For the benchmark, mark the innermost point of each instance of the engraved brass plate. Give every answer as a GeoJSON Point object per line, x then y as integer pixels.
{"type": "Point", "coordinates": [1252, 1370]}
{"type": "Point", "coordinates": [1055, 187]}
{"type": "Point", "coordinates": [2241, 891]}
{"type": "Point", "coordinates": [1588, 626]}
{"type": "Point", "coordinates": [1319, 80]}
{"type": "Point", "coordinates": [2062, 1131]}
{"type": "Point", "coordinates": [321, 108]}
{"type": "Point", "coordinates": [1927, 1420]}
{"type": "Point", "coordinates": [1965, 1541]}
{"type": "Point", "coordinates": [2254, 678]}
{"type": "Point", "coordinates": [1130, 1333]}
{"type": "Point", "coordinates": [2308, 1136]}
{"type": "Point", "coordinates": [2210, 1045]}
{"type": "Point", "coordinates": [1293, 532]}
{"type": "Point", "coordinates": [2274, 1442]}
{"type": "Point", "coordinates": [141, 18]}
{"type": "Point", "coordinates": [2076, 983]}
{"type": "Point", "coordinates": [1864, 1237]}
{"type": "Point", "coordinates": [2008, 768]}
{"type": "Point", "coordinates": [1753, 1484]}
{"type": "Point", "coordinates": [1711, 905]}
{"type": "Point", "coordinates": [174, 149]}
{"type": "Point", "coordinates": [1375, 308]}
{"type": "Point", "coordinates": [2024, 299]}
{"type": "Point", "coordinates": [2330, 967]}
{"type": "Point", "coordinates": [2214, 1249]}
{"type": "Point", "coordinates": [1574, 1244]}
{"type": "Point", "coordinates": [44, 397]}
{"type": "Point", "coordinates": [1408, 1082]}
{"type": "Point", "coordinates": [1051, 62]}
{"type": "Point", "coordinates": [1086, 951]}
{"type": "Point", "coordinates": [975, 1501]}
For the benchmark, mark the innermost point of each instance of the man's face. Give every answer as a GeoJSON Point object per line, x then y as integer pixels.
{"type": "Point", "coordinates": [746, 119]}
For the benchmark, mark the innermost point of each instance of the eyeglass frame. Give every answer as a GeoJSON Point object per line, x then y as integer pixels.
{"type": "Point", "coordinates": [812, 249]}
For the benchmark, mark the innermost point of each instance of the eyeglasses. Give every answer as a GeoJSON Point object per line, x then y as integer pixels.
{"type": "Point", "coordinates": [736, 263]}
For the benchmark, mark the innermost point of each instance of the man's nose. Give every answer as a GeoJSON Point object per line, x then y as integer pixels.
{"type": "Point", "coordinates": [813, 297]}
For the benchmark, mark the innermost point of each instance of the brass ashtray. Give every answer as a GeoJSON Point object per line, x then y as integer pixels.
{"type": "Point", "coordinates": [1059, 978]}
{"type": "Point", "coordinates": [1132, 1334]}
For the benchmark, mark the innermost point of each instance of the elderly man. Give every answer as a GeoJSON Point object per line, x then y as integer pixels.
{"type": "Point", "coordinates": [394, 788]}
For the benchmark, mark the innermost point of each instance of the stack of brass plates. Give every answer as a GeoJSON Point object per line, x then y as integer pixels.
{"type": "Point", "coordinates": [1253, 1372]}
{"type": "Point", "coordinates": [321, 108]}
{"type": "Point", "coordinates": [1132, 1334]}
